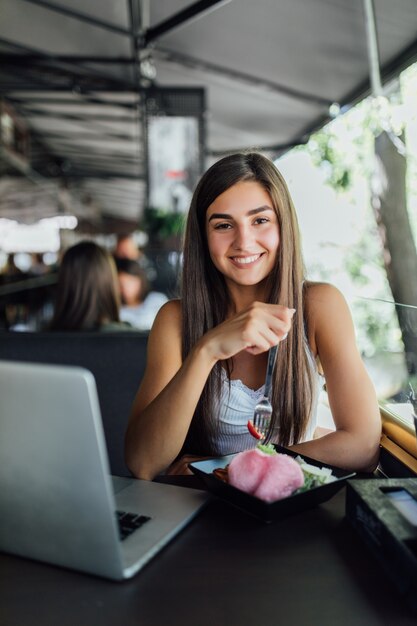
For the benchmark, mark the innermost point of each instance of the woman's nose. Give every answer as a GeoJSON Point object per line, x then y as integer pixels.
{"type": "Point", "coordinates": [243, 238]}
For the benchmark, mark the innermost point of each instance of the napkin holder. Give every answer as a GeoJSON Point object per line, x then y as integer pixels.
{"type": "Point", "coordinates": [384, 513]}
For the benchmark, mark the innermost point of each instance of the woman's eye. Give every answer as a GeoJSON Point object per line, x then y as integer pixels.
{"type": "Point", "coordinates": [222, 226]}
{"type": "Point", "coordinates": [261, 220]}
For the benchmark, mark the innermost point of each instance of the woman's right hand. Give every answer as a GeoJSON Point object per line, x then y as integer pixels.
{"type": "Point", "coordinates": [255, 329]}
{"type": "Point", "coordinates": [171, 387]}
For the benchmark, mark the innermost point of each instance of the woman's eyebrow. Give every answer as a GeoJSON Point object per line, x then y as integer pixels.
{"type": "Point", "coordinates": [226, 216]}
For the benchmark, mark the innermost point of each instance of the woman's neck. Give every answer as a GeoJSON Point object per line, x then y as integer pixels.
{"type": "Point", "coordinates": [242, 296]}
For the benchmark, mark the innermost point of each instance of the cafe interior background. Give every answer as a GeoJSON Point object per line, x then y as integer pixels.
{"type": "Point", "coordinates": [110, 111]}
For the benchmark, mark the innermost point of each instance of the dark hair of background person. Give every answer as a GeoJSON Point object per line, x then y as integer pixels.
{"type": "Point", "coordinates": [132, 267]}
{"type": "Point", "coordinates": [205, 300]}
{"type": "Point", "coordinates": [87, 295]}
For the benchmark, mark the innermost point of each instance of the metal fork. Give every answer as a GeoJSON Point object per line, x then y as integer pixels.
{"type": "Point", "coordinates": [263, 410]}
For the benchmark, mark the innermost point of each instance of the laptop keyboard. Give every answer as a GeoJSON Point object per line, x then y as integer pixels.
{"type": "Point", "coordinates": [129, 522]}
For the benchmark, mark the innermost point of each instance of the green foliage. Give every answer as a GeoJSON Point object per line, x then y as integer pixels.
{"type": "Point", "coordinates": [344, 148]}
{"type": "Point", "coordinates": [324, 153]}
{"type": "Point", "coordinates": [377, 327]}
{"type": "Point", "coordinates": [362, 257]}
{"type": "Point", "coordinates": [160, 225]}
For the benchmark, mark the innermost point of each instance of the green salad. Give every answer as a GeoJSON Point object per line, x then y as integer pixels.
{"type": "Point", "coordinates": [314, 476]}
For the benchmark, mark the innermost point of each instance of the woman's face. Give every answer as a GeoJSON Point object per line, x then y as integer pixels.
{"type": "Point", "coordinates": [243, 234]}
{"type": "Point", "coordinates": [130, 288]}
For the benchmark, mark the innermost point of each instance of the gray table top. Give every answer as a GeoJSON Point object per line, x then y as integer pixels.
{"type": "Point", "coordinates": [225, 568]}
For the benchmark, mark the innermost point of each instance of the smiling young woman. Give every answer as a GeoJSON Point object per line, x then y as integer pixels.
{"type": "Point", "coordinates": [243, 291]}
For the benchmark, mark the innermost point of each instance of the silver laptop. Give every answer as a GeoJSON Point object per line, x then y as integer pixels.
{"type": "Point", "coordinates": [58, 502]}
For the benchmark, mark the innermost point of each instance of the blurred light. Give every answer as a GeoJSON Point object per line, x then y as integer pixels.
{"type": "Point", "coordinates": [50, 258]}
{"type": "Point", "coordinates": [23, 261]}
{"type": "Point", "coordinates": [43, 236]}
{"type": "Point", "coordinates": [69, 222]}
{"type": "Point", "coordinates": [5, 223]}
{"type": "Point", "coordinates": [148, 69]}
{"type": "Point", "coordinates": [33, 238]}
{"type": "Point", "coordinates": [140, 238]}
{"type": "Point", "coordinates": [175, 258]}
{"type": "Point", "coordinates": [334, 109]}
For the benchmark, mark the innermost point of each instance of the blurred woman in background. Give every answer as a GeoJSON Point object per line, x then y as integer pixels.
{"type": "Point", "coordinates": [87, 296]}
{"type": "Point", "coordinates": [139, 304]}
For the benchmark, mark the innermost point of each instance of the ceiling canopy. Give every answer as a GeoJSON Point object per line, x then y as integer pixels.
{"type": "Point", "coordinates": [78, 73]}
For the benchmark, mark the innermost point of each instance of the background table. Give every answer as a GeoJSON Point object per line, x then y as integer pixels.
{"type": "Point", "coordinates": [225, 568]}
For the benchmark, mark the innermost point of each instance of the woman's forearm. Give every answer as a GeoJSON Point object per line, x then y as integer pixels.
{"type": "Point", "coordinates": [343, 449]}
{"type": "Point", "coordinates": [155, 435]}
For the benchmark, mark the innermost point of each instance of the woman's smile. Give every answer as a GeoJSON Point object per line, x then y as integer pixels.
{"type": "Point", "coordinates": [245, 261]}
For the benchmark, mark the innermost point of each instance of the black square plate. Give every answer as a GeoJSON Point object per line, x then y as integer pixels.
{"type": "Point", "coordinates": [268, 511]}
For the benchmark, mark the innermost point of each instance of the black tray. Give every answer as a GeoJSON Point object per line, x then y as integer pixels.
{"type": "Point", "coordinates": [268, 511]}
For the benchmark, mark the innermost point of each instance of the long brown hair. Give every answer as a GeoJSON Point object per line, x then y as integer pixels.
{"type": "Point", "coordinates": [205, 299]}
{"type": "Point", "coordinates": [87, 293]}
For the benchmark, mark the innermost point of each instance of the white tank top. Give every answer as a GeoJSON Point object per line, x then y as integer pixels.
{"type": "Point", "coordinates": [235, 407]}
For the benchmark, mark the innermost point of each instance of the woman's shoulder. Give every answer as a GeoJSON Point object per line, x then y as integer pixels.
{"type": "Point", "coordinates": [321, 295]}
{"type": "Point", "coordinates": [171, 310]}
{"type": "Point", "coordinates": [166, 330]}
{"type": "Point", "coordinates": [325, 310]}
{"type": "Point", "coordinates": [168, 318]}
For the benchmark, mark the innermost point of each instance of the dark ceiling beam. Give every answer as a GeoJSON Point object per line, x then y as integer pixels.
{"type": "Point", "coordinates": [69, 102]}
{"type": "Point", "coordinates": [68, 152]}
{"type": "Point", "coordinates": [92, 119]}
{"type": "Point", "coordinates": [82, 92]}
{"type": "Point", "coordinates": [190, 13]}
{"type": "Point", "coordinates": [99, 175]}
{"type": "Point", "coordinates": [79, 78]}
{"type": "Point", "coordinates": [41, 58]}
{"type": "Point", "coordinates": [82, 17]}
{"type": "Point", "coordinates": [104, 135]}
{"type": "Point", "coordinates": [86, 117]}
{"type": "Point", "coordinates": [255, 81]}
{"type": "Point", "coordinates": [75, 157]}
{"type": "Point", "coordinates": [54, 65]}
{"type": "Point", "coordinates": [67, 149]}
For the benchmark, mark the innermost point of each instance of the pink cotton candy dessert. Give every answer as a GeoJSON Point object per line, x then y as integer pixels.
{"type": "Point", "coordinates": [267, 476]}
